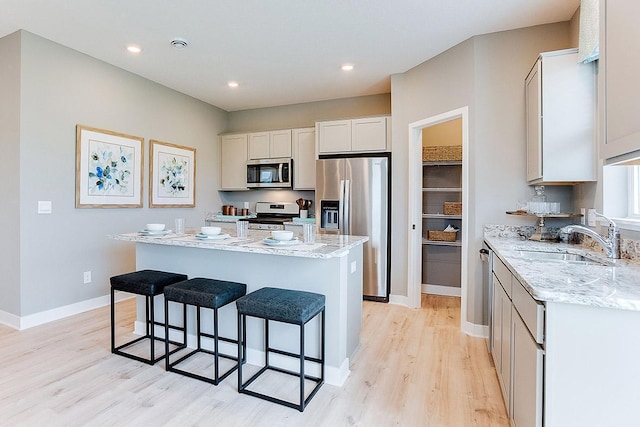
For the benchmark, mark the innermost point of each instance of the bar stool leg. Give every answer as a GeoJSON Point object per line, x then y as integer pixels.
{"type": "Point", "coordinates": [301, 368]}
{"type": "Point", "coordinates": [113, 315]}
{"type": "Point", "coordinates": [241, 353]}
{"type": "Point", "coordinates": [216, 357]}
{"type": "Point", "coordinates": [152, 327]}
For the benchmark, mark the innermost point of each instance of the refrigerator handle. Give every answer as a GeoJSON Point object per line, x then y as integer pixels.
{"type": "Point", "coordinates": [341, 223]}
{"type": "Point", "coordinates": [347, 204]}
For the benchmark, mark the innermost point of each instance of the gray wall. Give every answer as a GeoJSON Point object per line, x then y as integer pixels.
{"type": "Point", "coordinates": [305, 115]}
{"type": "Point", "coordinates": [487, 74]}
{"type": "Point", "coordinates": [10, 147]}
{"type": "Point", "coordinates": [59, 89]}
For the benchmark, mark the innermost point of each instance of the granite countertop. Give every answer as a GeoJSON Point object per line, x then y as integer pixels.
{"type": "Point", "coordinates": [615, 285]}
{"type": "Point", "coordinates": [325, 246]}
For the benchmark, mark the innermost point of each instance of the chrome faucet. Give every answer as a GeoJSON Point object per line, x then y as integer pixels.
{"type": "Point", "coordinates": [610, 244]}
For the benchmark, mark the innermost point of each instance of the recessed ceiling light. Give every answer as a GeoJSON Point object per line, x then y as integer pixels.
{"type": "Point", "coordinates": [347, 67]}
{"type": "Point", "coordinates": [232, 84]}
{"type": "Point", "coordinates": [179, 43]}
{"type": "Point", "coordinates": [134, 48]}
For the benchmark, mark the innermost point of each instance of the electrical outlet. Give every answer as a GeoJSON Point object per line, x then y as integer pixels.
{"type": "Point", "coordinates": [591, 217]}
{"type": "Point", "coordinates": [583, 220]}
{"type": "Point", "coordinates": [354, 266]}
{"type": "Point", "coordinates": [87, 277]}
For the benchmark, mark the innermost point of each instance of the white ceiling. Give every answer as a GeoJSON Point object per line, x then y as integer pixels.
{"type": "Point", "coordinates": [280, 51]}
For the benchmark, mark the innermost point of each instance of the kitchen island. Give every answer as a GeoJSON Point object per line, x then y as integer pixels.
{"type": "Point", "coordinates": [332, 266]}
{"type": "Point", "coordinates": [570, 357]}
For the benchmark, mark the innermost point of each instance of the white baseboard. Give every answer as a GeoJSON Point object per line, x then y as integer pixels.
{"type": "Point", "coordinates": [399, 300]}
{"type": "Point", "coordinates": [480, 331]}
{"type": "Point", "coordinates": [448, 291]}
{"type": "Point", "coordinates": [36, 319]}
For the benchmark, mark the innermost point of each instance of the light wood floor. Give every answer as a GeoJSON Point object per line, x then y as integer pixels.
{"type": "Point", "coordinates": [414, 368]}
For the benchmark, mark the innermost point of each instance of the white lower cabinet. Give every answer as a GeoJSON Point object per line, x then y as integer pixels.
{"type": "Point", "coordinates": [516, 349]}
{"type": "Point", "coordinates": [501, 347]}
{"type": "Point", "coordinates": [526, 391]}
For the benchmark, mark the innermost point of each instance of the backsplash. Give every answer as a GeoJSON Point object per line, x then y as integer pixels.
{"type": "Point", "coordinates": [629, 248]}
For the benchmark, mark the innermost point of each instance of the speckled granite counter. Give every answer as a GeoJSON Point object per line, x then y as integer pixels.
{"type": "Point", "coordinates": [616, 285]}
{"type": "Point", "coordinates": [325, 246]}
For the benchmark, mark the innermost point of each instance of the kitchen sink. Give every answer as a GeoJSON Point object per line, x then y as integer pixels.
{"type": "Point", "coordinates": [559, 256]}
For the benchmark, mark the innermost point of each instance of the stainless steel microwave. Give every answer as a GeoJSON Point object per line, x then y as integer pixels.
{"type": "Point", "coordinates": [269, 173]}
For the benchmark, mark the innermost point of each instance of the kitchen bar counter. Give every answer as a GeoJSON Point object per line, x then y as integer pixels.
{"type": "Point", "coordinates": [325, 246]}
{"type": "Point", "coordinates": [333, 266]}
{"type": "Point", "coordinates": [616, 285]}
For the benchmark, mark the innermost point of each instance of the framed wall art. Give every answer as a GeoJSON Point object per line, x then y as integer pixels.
{"type": "Point", "coordinates": [108, 169]}
{"type": "Point", "coordinates": [172, 175]}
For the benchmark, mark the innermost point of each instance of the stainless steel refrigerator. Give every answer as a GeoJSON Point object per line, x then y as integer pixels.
{"type": "Point", "coordinates": [352, 196]}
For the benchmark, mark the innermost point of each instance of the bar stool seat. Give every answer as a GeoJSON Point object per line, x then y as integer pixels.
{"type": "Point", "coordinates": [286, 306]}
{"type": "Point", "coordinates": [148, 283]}
{"type": "Point", "coordinates": [203, 293]}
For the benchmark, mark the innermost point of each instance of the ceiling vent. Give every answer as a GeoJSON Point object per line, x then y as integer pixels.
{"type": "Point", "coordinates": [179, 43]}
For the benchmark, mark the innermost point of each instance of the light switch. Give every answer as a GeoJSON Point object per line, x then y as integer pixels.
{"type": "Point", "coordinates": [44, 207]}
{"type": "Point", "coordinates": [591, 217]}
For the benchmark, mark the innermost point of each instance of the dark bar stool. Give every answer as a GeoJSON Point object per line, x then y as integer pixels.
{"type": "Point", "coordinates": [203, 293]}
{"type": "Point", "coordinates": [149, 283]}
{"type": "Point", "coordinates": [287, 306]}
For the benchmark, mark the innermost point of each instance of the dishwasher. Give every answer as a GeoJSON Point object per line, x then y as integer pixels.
{"type": "Point", "coordinates": [486, 255]}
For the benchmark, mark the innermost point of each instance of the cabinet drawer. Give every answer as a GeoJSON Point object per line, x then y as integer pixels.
{"type": "Point", "coordinates": [531, 311]}
{"type": "Point", "coordinates": [503, 274]}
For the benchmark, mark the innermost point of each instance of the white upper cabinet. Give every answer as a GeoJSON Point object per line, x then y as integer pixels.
{"type": "Point", "coordinates": [560, 118]}
{"type": "Point", "coordinates": [334, 136]}
{"type": "Point", "coordinates": [233, 162]}
{"type": "Point", "coordinates": [270, 145]}
{"type": "Point", "coordinates": [363, 135]}
{"type": "Point", "coordinates": [304, 159]}
{"type": "Point", "coordinates": [369, 134]}
{"type": "Point", "coordinates": [619, 63]}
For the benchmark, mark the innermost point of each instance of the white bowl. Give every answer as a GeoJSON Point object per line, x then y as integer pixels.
{"type": "Point", "coordinates": [210, 231]}
{"type": "Point", "coordinates": [154, 227]}
{"type": "Point", "coordinates": [282, 234]}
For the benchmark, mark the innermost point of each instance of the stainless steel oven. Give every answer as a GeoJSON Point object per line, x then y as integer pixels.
{"type": "Point", "coordinates": [269, 173]}
{"type": "Point", "coordinates": [273, 215]}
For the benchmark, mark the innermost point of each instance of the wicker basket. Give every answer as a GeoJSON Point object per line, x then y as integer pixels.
{"type": "Point", "coordinates": [442, 153]}
{"type": "Point", "coordinates": [453, 208]}
{"type": "Point", "coordinates": [442, 236]}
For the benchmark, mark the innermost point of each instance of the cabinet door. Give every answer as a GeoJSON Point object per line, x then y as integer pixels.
{"type": "Point", "coordinates": [259, 145]}
{"type": "Point", "coordinates": [506, 349]}
{"type": "Point", "coordinates": [622, 86]}
{"type": "Point", "coordinates": [304, 159]}
{"type": "Point", "coordinates": [496, 327]}
{"type": "Point", "coordinates": [233, 162]}
{"type": "Point", "coordinates": [334, 137]}
{"type": "Point", "coordinates": [501, 323]}
{"type": "Point", "coordinates": [280, 144]}
{"type": "Point", "coordinates": [527, 377]}
{"type": "Point", "coordinates": [534, 124]}
{"type": "Point", "coordinates": [369, 134]}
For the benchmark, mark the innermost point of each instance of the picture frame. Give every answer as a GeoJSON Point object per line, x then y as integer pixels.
{"type": "Point", "coordinates": [172, 175]}
{"type": "Point", "coordinates": [109, 169]}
